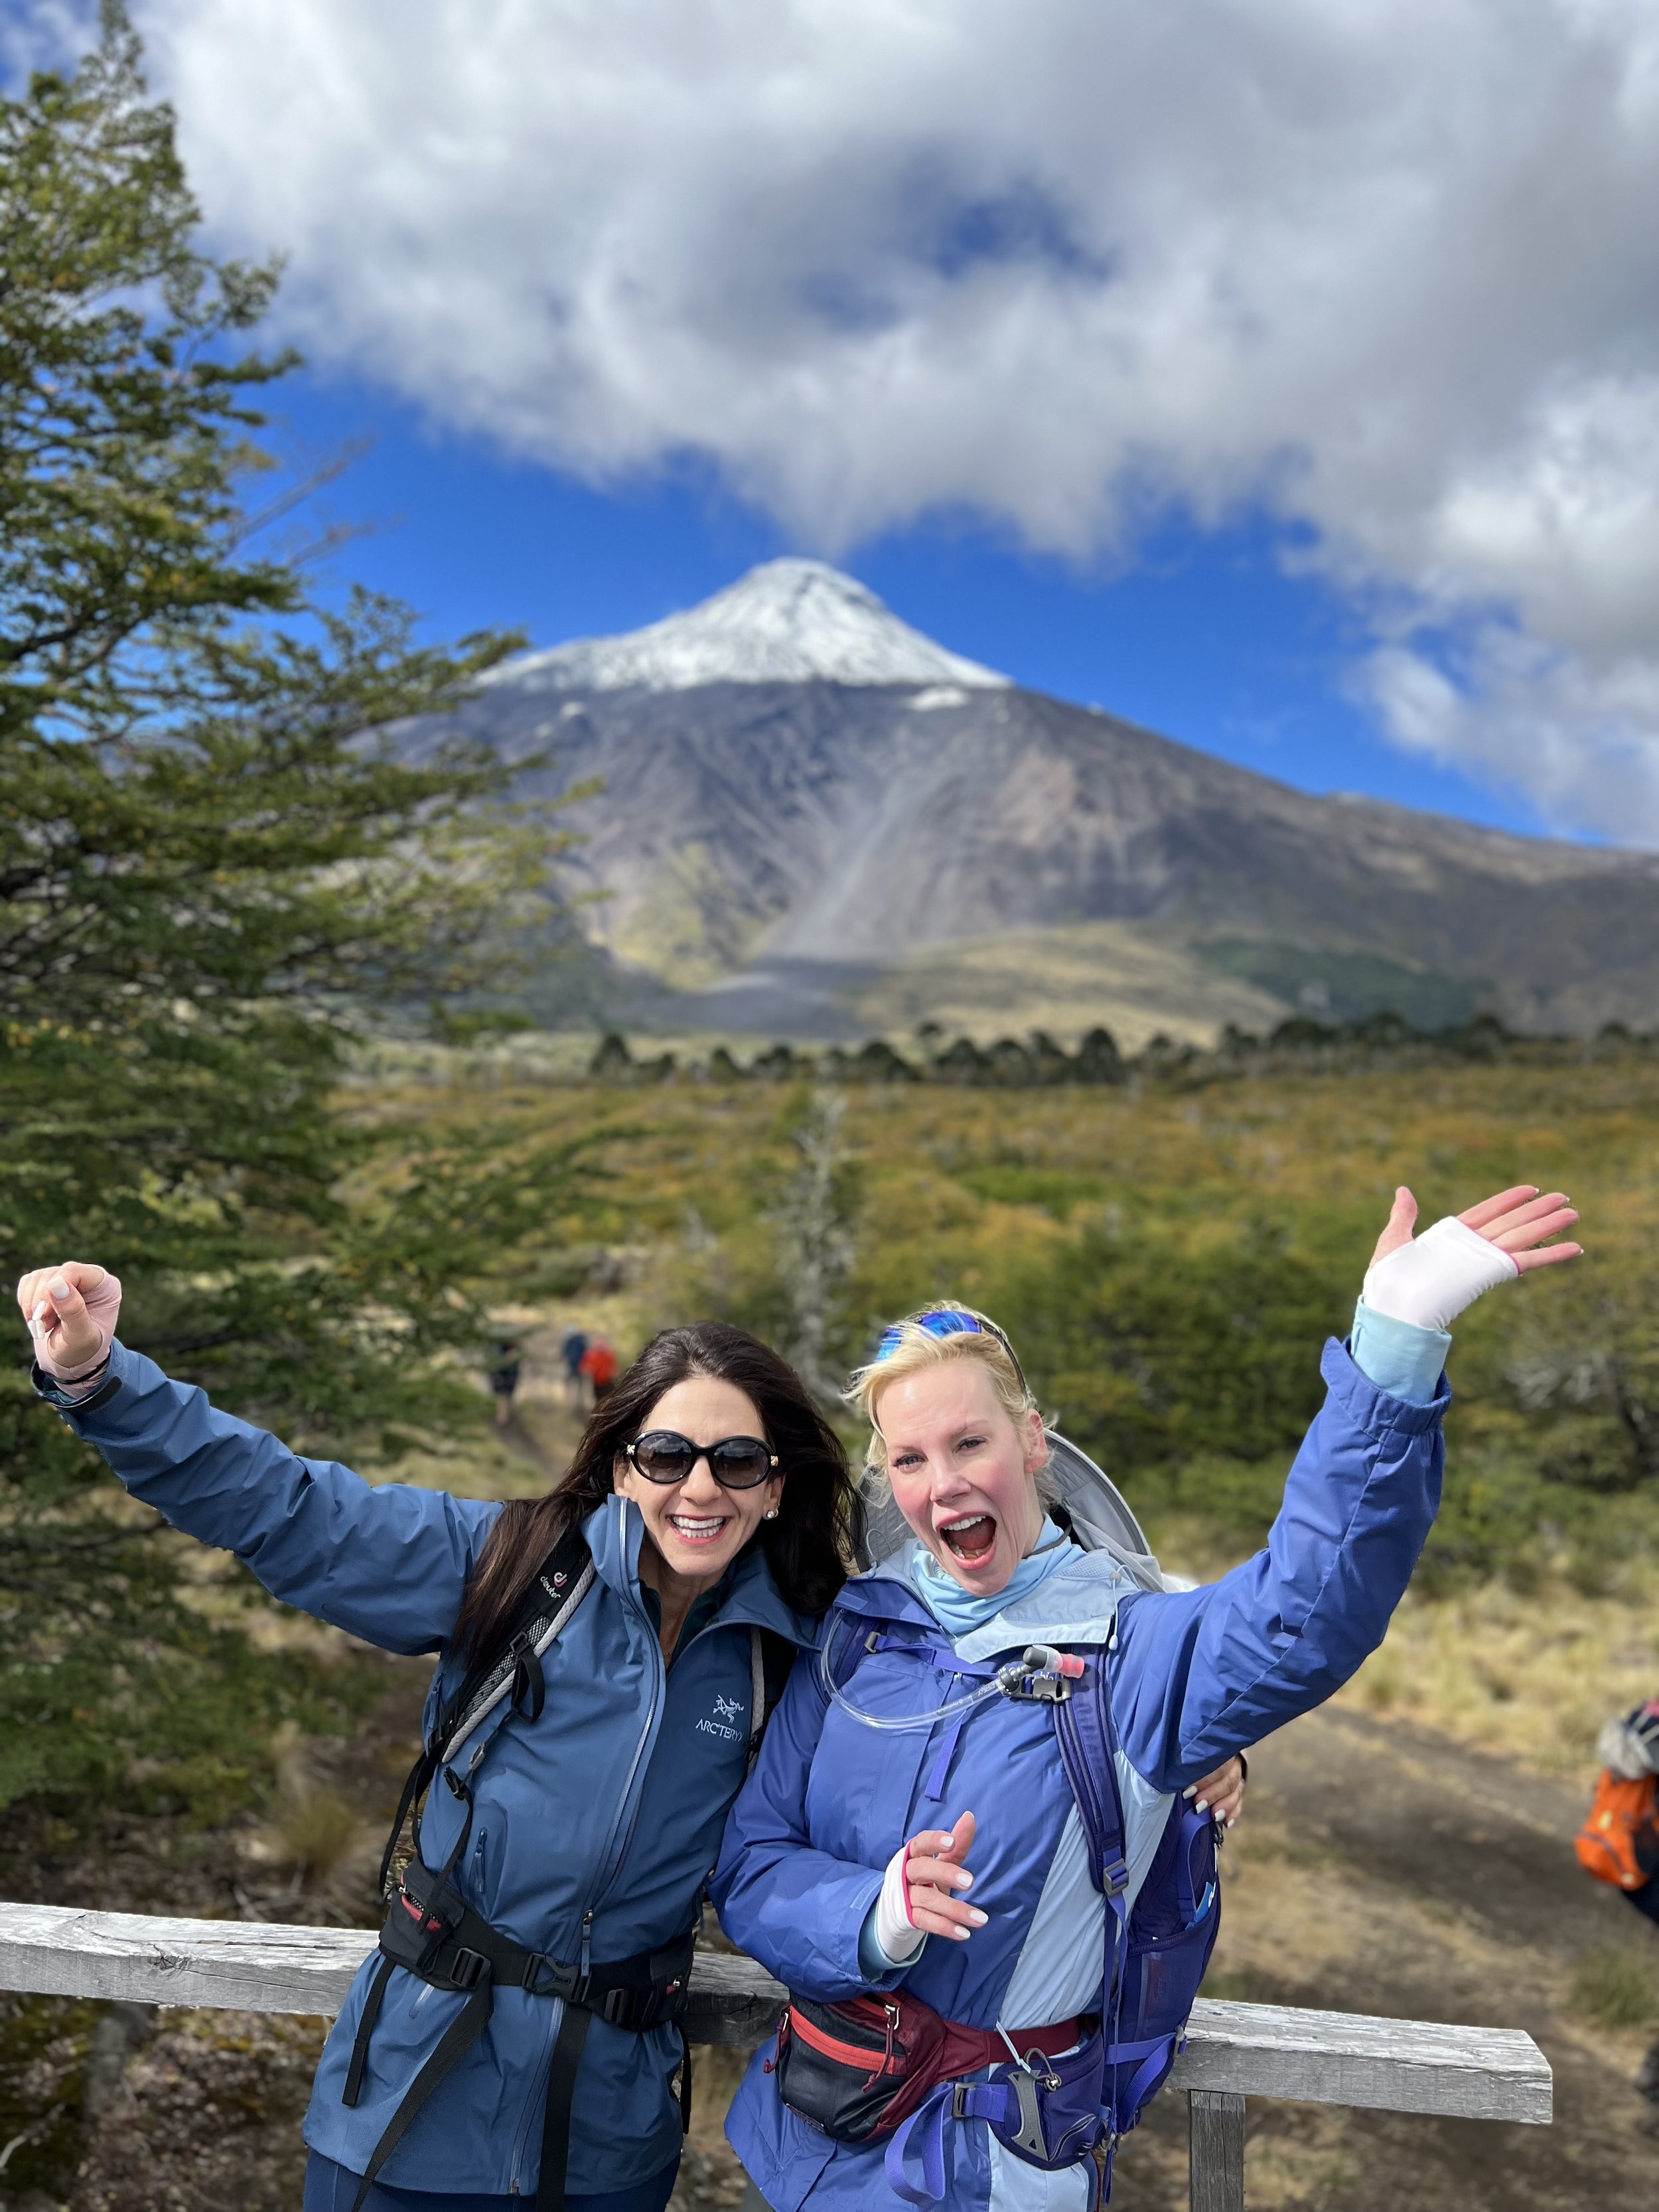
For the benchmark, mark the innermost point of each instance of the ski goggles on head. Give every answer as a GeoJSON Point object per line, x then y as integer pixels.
{"type": "Point", "coordinates": [946, 1321]}
{"type": "Point", "coordinates": [665, 1456]}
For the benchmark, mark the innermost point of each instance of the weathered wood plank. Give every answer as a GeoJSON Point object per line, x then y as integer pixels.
{"type": "Point", "coordinates": [250, 1965]}
{"type": "Point", "coordinates": [733, 2001]}
{"type": "Point", "coordinates": [255, 1966]}
{"type": "Point", "coordinates": [1235, 2050]}
{"type": "Point", "coordinates": [1351, 2059]}
{"type": "Point", "coordinates": [1216, 2152]}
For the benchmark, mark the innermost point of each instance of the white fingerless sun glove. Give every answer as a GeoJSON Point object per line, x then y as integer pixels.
{"type": "Point", "coordinates": [1430, 1281]}
{"type": "Point", "coordinates": [896, 1934]}
{"type": "Point", "coordinates": [103, 1306]}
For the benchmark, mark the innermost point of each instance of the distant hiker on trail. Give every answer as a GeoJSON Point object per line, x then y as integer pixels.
{"type": "Point", "coordinates": [964, 1847]}
{"type": "Point", "coordinates": [516, 2037]}
{"type": "Point", "coordinates": [599, 1366]}
{"type": "Point", "coordinates": [571, 1351]}
{"type": "Point", "coordinates": [504, 1378]}
{"type": "Point", "coordinates": [1619, 1843]}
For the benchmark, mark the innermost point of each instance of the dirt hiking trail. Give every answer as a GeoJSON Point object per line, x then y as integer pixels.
{"type": "Point", "coordinates": [1381, 1869]}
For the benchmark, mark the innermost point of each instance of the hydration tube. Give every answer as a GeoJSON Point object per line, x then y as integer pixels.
{"type": "Point", "coordinates": [1042, 1673]}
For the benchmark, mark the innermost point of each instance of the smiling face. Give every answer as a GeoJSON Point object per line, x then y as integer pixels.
{"type": "Point", "coordinates": [696, 1527]}
{"type": "Point", "coordinates": [963, 1470]}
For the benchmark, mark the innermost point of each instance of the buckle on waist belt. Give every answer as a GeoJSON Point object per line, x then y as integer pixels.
{"type": "Point", "coordinates": [543, 1976]}
{"type": "Point", "coordinates": [465, 1968]}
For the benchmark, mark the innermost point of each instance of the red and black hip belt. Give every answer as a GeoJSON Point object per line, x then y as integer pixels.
{"type": "Point", "coordinates": [859, 2069]}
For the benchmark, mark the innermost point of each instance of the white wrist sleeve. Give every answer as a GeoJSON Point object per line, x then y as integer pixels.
{"type": "Point", "coordinates": [897, 1934]}
{"type": "Point", "coordinates": [1429, 1281]}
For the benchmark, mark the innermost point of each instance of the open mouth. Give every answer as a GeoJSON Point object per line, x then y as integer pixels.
{"type": "Point", "coordinates": [971, 1540]}
{"type": "Point", "coordinates": [697, 1527]}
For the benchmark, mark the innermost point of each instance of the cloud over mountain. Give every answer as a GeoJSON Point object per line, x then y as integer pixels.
{"type": "Point", "coordinates": [1385, 268]}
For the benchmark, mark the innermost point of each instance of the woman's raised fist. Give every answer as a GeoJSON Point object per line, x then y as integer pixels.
{"type": "Point", "coordinates": [71, 1310]}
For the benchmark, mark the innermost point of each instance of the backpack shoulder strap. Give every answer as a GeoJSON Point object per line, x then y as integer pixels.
{"type": "Point", "coordinates": [1088, 1746]}
{"type": "Point", "coordinates": [559, 1586]}
{"type": "Point", "coordinates": [770, 1658]}
{"type": "Point", "coordinates": [513, 1669]}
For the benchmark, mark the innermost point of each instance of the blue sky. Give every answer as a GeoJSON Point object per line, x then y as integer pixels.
{"type": "Point", "coordinates": [1206, 636]}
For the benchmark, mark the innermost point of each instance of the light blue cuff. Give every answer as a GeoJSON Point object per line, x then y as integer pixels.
{"type": "Point", "coordinates": [1397, 1356]}
{"type": "Point", "coordinates": [874, 1964]}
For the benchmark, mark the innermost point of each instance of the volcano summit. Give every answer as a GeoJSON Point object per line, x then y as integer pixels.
{"type": "Point", "coordinates": [816, 822]}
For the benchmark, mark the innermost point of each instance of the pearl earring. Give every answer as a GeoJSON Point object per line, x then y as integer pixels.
{"type": "Point", "coordinates": [771, 1512]}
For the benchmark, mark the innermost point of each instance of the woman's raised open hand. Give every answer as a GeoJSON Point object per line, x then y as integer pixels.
{"type": "Point", "coordinates": [1428, 1280]}
{"type": "Point", "coordinates": [70, 1310]}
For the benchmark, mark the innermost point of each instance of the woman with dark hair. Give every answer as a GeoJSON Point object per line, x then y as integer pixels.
{"type": "Point", "coordinates": [606, 1653]}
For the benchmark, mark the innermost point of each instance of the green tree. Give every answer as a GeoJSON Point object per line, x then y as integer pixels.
{"type": "Point", "coordinates": [211, 865]}
{"type": "Point", "coordinates": [1153, 1351]}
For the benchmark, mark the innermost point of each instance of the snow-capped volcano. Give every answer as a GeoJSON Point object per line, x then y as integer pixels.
{"type": "Point", "coordinates": [787, 622]}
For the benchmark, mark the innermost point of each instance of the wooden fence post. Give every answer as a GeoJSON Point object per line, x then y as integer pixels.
{"type": "Point", "coordinates": [1216, 2154]}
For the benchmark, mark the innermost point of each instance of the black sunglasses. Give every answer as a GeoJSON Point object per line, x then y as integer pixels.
{"type": "Point", "coordinates": [735, 1462]}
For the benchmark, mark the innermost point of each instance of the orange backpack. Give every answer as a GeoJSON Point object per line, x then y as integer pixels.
{"type": "Point", "coordinates": [1619, 1842]}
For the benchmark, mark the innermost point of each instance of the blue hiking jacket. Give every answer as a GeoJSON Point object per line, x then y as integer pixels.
{"type": "Point", "coordinates": [613, 1800]}
{"type": "Point", "coordinates": [1194, 1676]}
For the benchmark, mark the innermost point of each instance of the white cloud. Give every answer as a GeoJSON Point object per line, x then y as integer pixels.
{"type": "Point", "coordinates": [1388, 265]}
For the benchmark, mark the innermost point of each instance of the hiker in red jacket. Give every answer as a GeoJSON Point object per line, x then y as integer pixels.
{"type": "Point", "coordinates": [599, 1365]}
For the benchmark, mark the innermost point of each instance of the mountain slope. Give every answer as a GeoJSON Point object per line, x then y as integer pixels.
{"type": "Point", "coordinates": [780, 845]}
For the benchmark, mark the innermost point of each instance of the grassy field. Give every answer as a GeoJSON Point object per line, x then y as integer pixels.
{"type": "Point", "coordinates": [1168, 1263]}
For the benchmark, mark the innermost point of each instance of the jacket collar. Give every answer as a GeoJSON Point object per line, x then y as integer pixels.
{"type": "Point", "coordinates": [615, 1532]}
{"type": "Point", "coordinates": [1076, 1604]}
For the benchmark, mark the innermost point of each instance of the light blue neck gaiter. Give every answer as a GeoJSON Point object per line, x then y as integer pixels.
{"type": "Point", "coordinates": [958, 1612]}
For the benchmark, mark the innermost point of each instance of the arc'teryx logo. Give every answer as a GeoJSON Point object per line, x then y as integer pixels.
{"type": "Point", "coordinates": [727, 1709]}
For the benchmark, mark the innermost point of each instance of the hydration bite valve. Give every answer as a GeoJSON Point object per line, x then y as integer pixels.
{"type": "Point", "coordinates": [1043, 1674]}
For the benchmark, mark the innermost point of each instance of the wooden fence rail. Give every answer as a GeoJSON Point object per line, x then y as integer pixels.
{"type": "Point", "coordinates": [1233, 2051]}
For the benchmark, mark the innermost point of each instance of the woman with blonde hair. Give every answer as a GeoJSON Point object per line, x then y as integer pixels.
{"type": "Point", "coordinates": [965, 1846]}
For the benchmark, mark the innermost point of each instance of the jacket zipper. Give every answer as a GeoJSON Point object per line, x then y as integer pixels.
{"type": "Point", "coordinates": [607, 1874]}
{"type": "Point", "coordinates": [886, 2060]}
{"type": "Point", "coordinates": [609, 1868]}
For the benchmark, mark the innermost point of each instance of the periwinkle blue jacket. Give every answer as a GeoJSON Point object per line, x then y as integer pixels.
{"type": "Point", "coordinates": [1194, 1676]}
{"type": "Point", "coordinates": [613, 1800]}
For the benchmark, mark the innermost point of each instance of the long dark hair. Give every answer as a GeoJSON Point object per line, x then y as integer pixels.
{"type": "Point", "coordinates": [807, 1547]}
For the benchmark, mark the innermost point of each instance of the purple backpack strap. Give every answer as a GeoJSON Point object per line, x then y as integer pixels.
{"type": "Point", "coordinates": [1088, 1747]}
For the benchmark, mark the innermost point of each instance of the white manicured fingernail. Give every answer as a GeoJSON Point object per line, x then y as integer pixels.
{"type": "Point", "coordinates": [1203, 1804]}
{"type": "Point", "coordinates": [978, 1917]}
{"type": "Point", "coordinates": [1190, 1790]}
